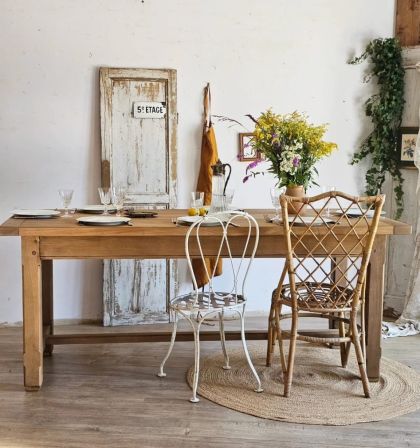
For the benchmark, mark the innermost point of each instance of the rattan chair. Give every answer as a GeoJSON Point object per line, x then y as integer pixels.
{"type": "Point", "coordinates": [208, 303]}
{"type": "Point", "coordinates": [329, 242]}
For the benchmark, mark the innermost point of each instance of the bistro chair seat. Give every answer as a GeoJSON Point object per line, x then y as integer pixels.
{"type": "Point", "coordinates": [207, 300]}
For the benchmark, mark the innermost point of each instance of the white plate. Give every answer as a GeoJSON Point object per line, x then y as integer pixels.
{"type": "Point", "coordinates": [356, 213]}
{"type": "Point", "coordinates": [37, 213]}
{"type": "Point", "coordinates": [103, 220]}
{"type": "Point", "coordinates": [96, 209]}
{"type": "Point", "coordinates": [188, 220]}
{"type": "Point", "coordinates": [309, 220]}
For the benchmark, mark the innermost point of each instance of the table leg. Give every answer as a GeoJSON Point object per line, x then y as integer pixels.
{"type": "Point", "coordinates": [32, 313]}
{"type": "Point", "coordinates": [339, 266]}
{"type": "Point", "coordinates": [47, 304]}
{"type": "Point", "coordinates": [374, 307]}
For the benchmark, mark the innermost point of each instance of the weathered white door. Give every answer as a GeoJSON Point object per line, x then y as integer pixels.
{"type": "Point", "coordinates": [139, 152]}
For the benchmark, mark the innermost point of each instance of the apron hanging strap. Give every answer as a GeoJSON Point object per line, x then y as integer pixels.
{"type": "Point", "coordinates": [207, 105]}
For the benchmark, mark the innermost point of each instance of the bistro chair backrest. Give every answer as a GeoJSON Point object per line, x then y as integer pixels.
{"type": "Point", "coordinates": [232, 234]}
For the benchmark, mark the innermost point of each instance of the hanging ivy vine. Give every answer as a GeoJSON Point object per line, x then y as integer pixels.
{"type": "Point", "coordinates": [385, 109]}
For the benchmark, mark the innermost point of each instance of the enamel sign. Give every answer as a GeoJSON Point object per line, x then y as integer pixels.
{"type": "Point", "coordinates": [143, 109]}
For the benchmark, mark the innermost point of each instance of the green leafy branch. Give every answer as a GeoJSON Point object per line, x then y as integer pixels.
{"type": "Point", "coordinates": [385, 109]}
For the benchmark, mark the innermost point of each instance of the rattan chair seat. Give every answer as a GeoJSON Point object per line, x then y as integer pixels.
{"type": "Point", "coordinates": [320, 296]}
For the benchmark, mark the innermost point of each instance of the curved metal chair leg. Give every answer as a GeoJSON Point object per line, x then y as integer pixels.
{"type": "Point", "coordinates": [161, 373]}
{"type": "Point", "coordinates": [248, 358]}
{"type": "Point", "coordinates": [223, 341]}
{"type": "Point", "coordinates": [194, 398]}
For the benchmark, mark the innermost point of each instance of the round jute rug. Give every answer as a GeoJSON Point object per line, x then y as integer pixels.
{"type": "Point", "coordinates": [323, 393]}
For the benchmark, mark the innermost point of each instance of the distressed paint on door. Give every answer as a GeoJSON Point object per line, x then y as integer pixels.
{"type": "Point", "coordinates": [139, 153]}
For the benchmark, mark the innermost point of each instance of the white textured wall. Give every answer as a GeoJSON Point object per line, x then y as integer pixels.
{"type": "Point", "coordinates": [290, 55]}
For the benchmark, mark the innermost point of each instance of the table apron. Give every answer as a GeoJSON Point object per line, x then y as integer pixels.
{"type": "Point", "coordinates": [124, 247]}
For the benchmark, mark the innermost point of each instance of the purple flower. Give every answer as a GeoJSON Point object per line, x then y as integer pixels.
{"type": "Point", "coordinates": [296, 161]}
{"type": "Point", "coordinates": [252, 165]}
{"type": "Point", "coordinates": [275, 135]}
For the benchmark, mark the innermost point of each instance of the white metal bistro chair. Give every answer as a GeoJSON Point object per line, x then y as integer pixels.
{"type": "Point", "coordinates": [199, 305]}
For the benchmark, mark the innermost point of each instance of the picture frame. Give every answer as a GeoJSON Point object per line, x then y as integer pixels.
{"type": "Point", "coordinates": [246, 152]}
{"type": "Point", "coordinates": [407, 138]}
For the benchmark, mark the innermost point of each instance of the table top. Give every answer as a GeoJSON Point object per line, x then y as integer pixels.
{"type": "Point", "coordinates": [162, 225]}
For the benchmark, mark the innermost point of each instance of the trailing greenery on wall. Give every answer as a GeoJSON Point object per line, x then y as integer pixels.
{"type": "Point", "coordinates": [385, 109]}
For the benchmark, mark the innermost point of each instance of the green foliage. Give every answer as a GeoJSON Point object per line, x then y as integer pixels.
{"type": "Point", "coordinates": [385, 109]}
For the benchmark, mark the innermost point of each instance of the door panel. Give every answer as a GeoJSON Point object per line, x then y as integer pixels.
{"type": "Point", "coordinates": [141, 154]}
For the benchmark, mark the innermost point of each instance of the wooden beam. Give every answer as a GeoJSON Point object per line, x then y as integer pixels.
{"type": "Point", "coordinates": [407, 27]}
{"type": "Point", "coordinates": [105, 338]}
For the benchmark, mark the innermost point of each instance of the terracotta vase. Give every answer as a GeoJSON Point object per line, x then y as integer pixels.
{"type": "Point", "coordinates": [297, 191]}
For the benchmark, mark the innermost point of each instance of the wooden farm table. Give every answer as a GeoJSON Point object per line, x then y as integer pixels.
{"type": "Point", "coordinates": [62, 238]}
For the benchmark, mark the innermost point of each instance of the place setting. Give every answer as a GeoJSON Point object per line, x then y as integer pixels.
{"type": "Point", "coordinates": [220, 210]}
{"type": "Point", "coordinates": [35, 213]}
{"type": "Point", "coordinates": [110, 212]}
{"type": "Point", "coordinates": [66, 196]}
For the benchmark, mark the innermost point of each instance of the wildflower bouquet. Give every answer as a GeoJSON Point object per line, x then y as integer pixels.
{"type": "Point", "coordinates": [291, 146]}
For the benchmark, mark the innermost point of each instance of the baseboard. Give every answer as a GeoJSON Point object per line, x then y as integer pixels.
{"type": "Point", "coordinates": [58, 322]}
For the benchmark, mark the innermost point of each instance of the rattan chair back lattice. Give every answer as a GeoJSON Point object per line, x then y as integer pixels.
{"type": "Point", "coordinates": [329, 241]}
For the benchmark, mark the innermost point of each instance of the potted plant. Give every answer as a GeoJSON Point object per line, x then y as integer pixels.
{"type": "Point", "coordinates": [292, 146]}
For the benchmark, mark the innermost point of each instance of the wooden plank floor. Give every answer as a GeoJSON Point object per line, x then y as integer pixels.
{"type": "Point", "coordinates": [109, 396]}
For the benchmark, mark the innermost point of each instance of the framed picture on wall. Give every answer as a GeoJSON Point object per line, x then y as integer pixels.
{"type": "Point", "coordinates": [247, 153]}
{"type": "Point", "coordinates": [407, 139]}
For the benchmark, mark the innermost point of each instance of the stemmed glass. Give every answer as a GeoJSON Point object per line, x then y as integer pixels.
{"type": "Point", "coordinates": [66, 196]}
{"type": "Point", "coordinates": [327, 204]}
{"type": "Point", "coordinates": [275, 194]}
{"type": "Point", "coordinates": [105, 196]}
{"type": "Point", "coordinates": [118, 194]}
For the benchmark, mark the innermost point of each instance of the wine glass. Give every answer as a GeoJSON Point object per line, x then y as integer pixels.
{"type": "Point", "coordinates": [66, 196]}
{"type": "Point", "coordinates": [105, 196]}
{"type": "Point", "coordinates": [327, 203]}
{"type": "Point", "coordinates": [118, 194]}
{"type": "Point", "coordinates": [275, 194]}
{"type": "Point", "coordinates": [228, 198]}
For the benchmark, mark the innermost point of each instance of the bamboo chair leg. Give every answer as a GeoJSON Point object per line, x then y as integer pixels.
{"type": "Point", "coordinates": [342, 333]}
{"type": "Point", "coordinates": [359, 355]}
{"type": "Point", "coordinates": [363, 325]}
{"type": "Point", "coordinates": [270, 337]}
{"type": "Point", "coordinates": [273, 331]}
{"type": "Point", "coordinates": [291, 356]}
{"type": "Point", "coordinates": [347, 353]}
{"type": "Point", "coordinates": [280, 339]}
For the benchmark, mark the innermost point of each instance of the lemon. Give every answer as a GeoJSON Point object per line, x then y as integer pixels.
{"type": "Point", "coordinates": [203, 211]}
{"type": "Point", "coordinates": [192, 212]}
